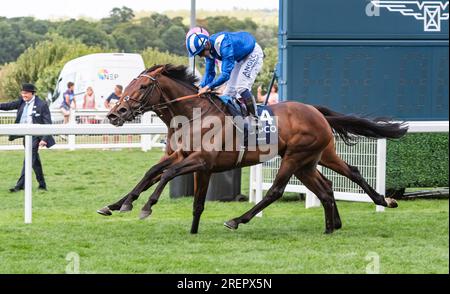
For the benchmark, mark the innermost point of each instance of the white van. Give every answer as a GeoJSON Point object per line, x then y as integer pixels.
{"type": "Point", "coordinates": [102, 72]}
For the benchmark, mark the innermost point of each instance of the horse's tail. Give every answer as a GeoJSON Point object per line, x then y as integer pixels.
{"type": "Point", "coordinates": [347, 125]}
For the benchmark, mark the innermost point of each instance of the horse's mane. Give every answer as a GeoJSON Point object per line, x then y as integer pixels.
{"type": "Point", "coordinates": [180, 73]}
{"type": "Point", "coordinates": [183, 75]}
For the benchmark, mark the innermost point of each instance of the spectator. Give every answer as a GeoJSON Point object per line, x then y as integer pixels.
{"type": "Point", "coordinates": [273, 97]}
{"type": "Point", "coordinates": [89, 103]}
{"type": "Point", "coordinates": [89, 99]}
{"type": "Point", "coordinates": [31, 110]}
{"type": "Point", "coordinates": [109, 103]}
{"type": "Point", "coordinates": [114, 97]}
{"type": "Point", "coordinates": [68, 99]}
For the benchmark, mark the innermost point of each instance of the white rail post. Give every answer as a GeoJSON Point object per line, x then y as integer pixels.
{"type": "Point", "coordinates": [252, 189]}
{"type": "Point", "coordinates": [72, 121]}
{"type": "Point", "coordinates": [146, 140]}
{"type": "Point", "coordinates": [311, 199]}
{"type": "Point", "coordinates": [259, 185]}
{"type": "Point", "coordinates": [381, 170]}
{"type": "Point", "coordinates": [40, 130]}
{"type": "Point", "coordinates": [28, 179]}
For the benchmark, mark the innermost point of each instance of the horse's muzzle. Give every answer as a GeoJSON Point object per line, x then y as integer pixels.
{"type": "Point", "coordinates": [114, 119]}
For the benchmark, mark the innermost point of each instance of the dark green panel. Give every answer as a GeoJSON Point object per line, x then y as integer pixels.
{"type": "Point", "coordinates": [405, 82]}
{"type": "Point", "coordinates": [361, 19]}
{"type": "Point", "coordinates": [335, 53]}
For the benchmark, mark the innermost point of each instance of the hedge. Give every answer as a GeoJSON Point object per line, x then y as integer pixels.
{"type": "Point", "coordinates": [417, 160]}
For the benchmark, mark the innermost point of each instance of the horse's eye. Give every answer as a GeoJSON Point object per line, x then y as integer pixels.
{"type": "Point", "coordinates": [143, 87]}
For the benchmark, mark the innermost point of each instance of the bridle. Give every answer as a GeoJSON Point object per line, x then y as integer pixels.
{"type": "Point", "coordinates": [164, 105]}
{"type": "Point", "coordinates": [149, 91]}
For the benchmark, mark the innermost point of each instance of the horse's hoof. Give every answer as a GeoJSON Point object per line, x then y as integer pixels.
{"type": "Point", "coordinates": [328, 231]}
{"type": "Point", "coordinates": [337, 225]}
{"type": "Point", "coordinates": [105, 211]}
{"type": "Point", "coordinates": [144, 214]}
{"type": "Point", "coordinates": [391, 203]}
{"type": "Point", "coordinates": [126, 207]}
{"type": "Point", "coordinates": [231, 224]}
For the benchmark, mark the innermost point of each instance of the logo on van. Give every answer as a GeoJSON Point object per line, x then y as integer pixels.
{"type": "Point", "coordinates": [432, 13]}
{"type": "Point", "coordinates": [104, 74]}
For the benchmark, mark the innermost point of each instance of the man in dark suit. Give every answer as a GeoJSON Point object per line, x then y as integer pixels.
{"type": "Point", "coordinates": [31, 110]}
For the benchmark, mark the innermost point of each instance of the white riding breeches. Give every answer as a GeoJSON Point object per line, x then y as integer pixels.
{"type": "Point", "coordinates": [245, 72]}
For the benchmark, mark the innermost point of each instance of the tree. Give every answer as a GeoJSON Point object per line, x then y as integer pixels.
{"type": "Point", "coordinates": [161, 21]}
{"type": "Point", "coordinates": [270, 61]}
{"type": "Point", "coordinates": [116, 17]}
{"type": "Point", "coordinates": [174, 37]}
{"type": "Point", "coordinates": [87, 32]}
{"type": "Point", "coordinates": [17, 34]}
{"type": "Point", "coordinates": [267, 36]}
{"type": "Point", "coordinates": [216, 24]}
{"type": "Point", "coordinates": [156, 31]}
{"type": "Point", "coordinates": [131, 37]}
{"type": "Point", "coordinates": [41, 65]}
{"type": "Point", "coordinates": [122, 15]}
{"type": "Point", "coordinates": [154, 56]}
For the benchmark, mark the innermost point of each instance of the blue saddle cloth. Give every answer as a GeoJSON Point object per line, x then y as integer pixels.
{"type": "Point", "coordinates": [231, 104]}
{"type": "Point", "coordinates": [268, 131]}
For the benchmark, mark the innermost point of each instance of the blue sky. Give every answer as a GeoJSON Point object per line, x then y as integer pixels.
{"type": "Point", "coordinates": [97, 9]}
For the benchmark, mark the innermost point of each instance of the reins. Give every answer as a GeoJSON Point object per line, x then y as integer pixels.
{"type": "Point", "coordinates": [163, 105]}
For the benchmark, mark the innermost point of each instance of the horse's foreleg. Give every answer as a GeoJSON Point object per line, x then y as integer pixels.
{"type": "Point", "coordinates": [126, 203]}
{"type": "Point", "coordinates": [275, 192]}
{"type": "Point", "coordinates": [337, 217]}
{"type": "Point", "coordinates": [201, 188]}
{"type": "Point", "coordinates": [188, 165]}
{"type": "Point", "coordinates": [152, 176]}
{"type": "Point", "coordinates": [329, 184]}
{"type": "Point", "coordinates": [317, 184]}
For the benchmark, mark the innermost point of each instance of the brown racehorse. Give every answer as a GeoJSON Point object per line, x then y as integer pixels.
{"type": "Point", "coordinates": [305, 139]}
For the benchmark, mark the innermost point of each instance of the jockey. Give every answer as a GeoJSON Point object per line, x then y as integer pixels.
{"type": "Point", "coordinates": [242, 60]}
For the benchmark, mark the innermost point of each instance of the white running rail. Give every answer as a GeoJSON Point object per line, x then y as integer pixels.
{"type": "Point", "coordinates": [67, 129]}
{"type": "Point", "coordinates": [368, 155]}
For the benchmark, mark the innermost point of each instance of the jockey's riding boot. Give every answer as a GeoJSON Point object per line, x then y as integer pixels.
{"type": "Point", "coordinates": [244, 110]}
{"type": "Point", "coordinates": [250, 104]}
{"type": "Point", "coordinates": [233, 110]}
{"type": "Point", "coordinates": [251, 107]}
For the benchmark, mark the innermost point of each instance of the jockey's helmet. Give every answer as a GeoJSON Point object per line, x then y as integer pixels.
{"type": "Point", "coordinates": [196, 40]}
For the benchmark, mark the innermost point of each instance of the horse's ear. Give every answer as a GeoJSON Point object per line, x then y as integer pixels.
{"type": "Point", "coordinates": [159, 70]}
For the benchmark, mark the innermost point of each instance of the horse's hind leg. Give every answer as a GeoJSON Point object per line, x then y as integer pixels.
{"type": "Point", "coordinates": [275, 192]}
{"type": "Point", "coordinates": [332, 161]}
{"type": "Point", "coordinates": [319, 185]}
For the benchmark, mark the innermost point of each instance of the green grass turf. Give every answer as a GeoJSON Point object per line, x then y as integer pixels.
{"type": "Point", "coordinates": [287, 239]}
